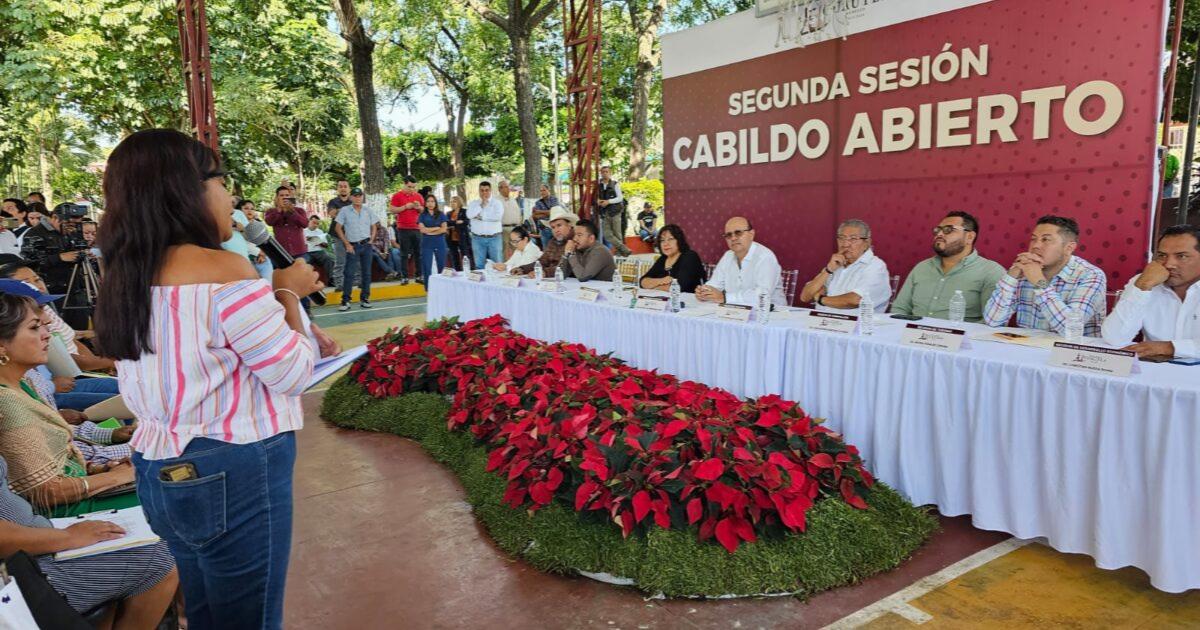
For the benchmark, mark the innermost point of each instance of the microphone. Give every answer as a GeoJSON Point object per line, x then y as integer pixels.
{"type": "Point", "coordinates": [256, 234]}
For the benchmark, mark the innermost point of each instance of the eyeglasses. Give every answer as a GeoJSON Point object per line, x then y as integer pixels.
{"type": "Point", "coordinates": [729, 236]}
{"type": "Point", "coordinates": [948, 229]}
{"type": "Point", "coordinates": [852, 239]}
{"type": "Point", "coordinates": [515, 241]}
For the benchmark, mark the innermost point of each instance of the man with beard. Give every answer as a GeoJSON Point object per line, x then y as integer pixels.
{"type": "Point", "coordinates": [852, 272]}
{"type": "Point", "coordinates": [955, 266]}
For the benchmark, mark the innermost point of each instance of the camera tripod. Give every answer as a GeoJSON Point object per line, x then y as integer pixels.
{"type": "Point", "coordinates": [85, 275]}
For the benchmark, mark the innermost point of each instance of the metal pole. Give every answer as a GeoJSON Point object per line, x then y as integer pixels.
{"type": "Point", "coordinates": [1189, 151]}
{"type": "Point", "coordinates": [1168, 104]}
{"type": "Point", "coordinates": [554, 122]}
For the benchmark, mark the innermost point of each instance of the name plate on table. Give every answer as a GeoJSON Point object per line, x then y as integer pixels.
{"type": "Point", "coordinates": [950, 339]}
{"type": "Point", "coordinates": [475, 276]}
{"type": "Point", "coordinates": [832, 322]}
{"type": "Point", "coordinates": [734, 312]}
{"type": "Point", "coordinates": [548, 286]}
{"type": "Point", "coordinates": [588, 294]}
{"type": "Point", "coordinates": [1094, 359]}
{"type": "Point", "coordinates": [510, 282]}
{"type": "Point", "coordinates": [653, 303]}
{"type": "Point", "coordinates": [448, 272]}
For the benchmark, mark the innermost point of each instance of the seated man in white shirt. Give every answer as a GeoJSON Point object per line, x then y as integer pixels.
{"type": "Point", "coordinates": [745, 270]}
{"type": "Point", "coordinates": [1162, 302]}
{"type": "Point", "coordinates": [852, 272]}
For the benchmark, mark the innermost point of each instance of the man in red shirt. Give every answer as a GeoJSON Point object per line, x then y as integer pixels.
{"type": "Point", "coordinates": [289, 222]}
{"type": "Point", "coordinates": [407, 205]}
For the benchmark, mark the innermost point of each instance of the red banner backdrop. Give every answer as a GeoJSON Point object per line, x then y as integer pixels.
{"type": "Point", "coordinates": [1104, 181]}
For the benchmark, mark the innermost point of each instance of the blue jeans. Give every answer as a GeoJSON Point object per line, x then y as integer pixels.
{"type": "Point", "coordinates": [87, 392]}
{"type": "Point", "coordinates": [229, 529]}
{"type": "Point", "coordinates": [547, 236]}
{"type": "Point", "coordinates": [383, 263]}
{"type": "Point", "coordinates": [359, 261]}
{"type": "Point", "coordinates": [486, 248]}
{"type": "Point", "coordinates": [264, 269]}
{"type": "Point", "coordinates": [432, 248]}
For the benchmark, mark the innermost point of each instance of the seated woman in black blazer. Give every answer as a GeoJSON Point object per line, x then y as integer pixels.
{"type": "Point", "coordinates": [677, 261]}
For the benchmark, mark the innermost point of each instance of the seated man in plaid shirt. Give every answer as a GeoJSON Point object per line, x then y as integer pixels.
{"type": "Point", "coordinates": [1048, 280]}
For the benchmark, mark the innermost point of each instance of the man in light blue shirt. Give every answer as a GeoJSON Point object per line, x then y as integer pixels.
{"type": "Point", "coordinates": [356, 227]}
{"type": "Point", "coordinates": [485, 214]}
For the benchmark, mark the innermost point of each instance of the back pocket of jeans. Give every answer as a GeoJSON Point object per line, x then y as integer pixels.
{"type": "Point", "coordinates": [196, 508]}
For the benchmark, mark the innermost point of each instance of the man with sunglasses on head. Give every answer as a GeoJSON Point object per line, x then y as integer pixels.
{"type": "Point", "coordinates": [289, 222]}
{"type": "Point", "coordinates": [955, 266]}
{"type": "Point", "coordinates": [744, 270]}
{"type": "Point", "coordinates": [852, 272]}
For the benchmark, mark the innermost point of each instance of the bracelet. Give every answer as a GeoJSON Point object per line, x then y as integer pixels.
{"type": "Point", "coordinates": [87, 489]}
{"type": "Point", "coordinates": [819, 298]}
{"type": "Point", "coordinates": [288, 291]}
{"type": "Point", "coordinates": [828, 271]}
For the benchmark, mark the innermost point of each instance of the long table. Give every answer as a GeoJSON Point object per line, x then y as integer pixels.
{"type": "Point", "coordinates": [1101, 465]}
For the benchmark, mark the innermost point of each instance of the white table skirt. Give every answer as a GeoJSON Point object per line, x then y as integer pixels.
{"type": "Point", "coordinates": [716, 353]}
{"type": "Point", "coordinates": [1099, 465]}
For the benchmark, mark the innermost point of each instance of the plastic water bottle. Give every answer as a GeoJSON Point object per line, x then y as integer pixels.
{"type": "Point", "coordinates": [674, 303]}
{"type": "Point", "coordinates": [487, 268]}
{"type": "Point", "coordinates": [866, 315]}
{"type": "Point", "coordinates": [618, 285]}
{"type": "Point", "coordinates": [466, 264]}
{"type": "Point", "coordinates": [764, 307]}
{"type": "Point", "coordinates": [558, 279]}
{"type": "Point", "coordinates": [537, 271]}
{"type": "Point", "coordinates": [958, 307]}
{"type": "Point", "coordinates": [1073, 328]}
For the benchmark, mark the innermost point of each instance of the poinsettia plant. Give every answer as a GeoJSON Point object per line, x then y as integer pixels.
{"type": "Point", "coordinates": [634, 447]}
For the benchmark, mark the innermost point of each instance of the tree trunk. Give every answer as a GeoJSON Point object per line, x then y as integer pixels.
{"type": "Point", "coordinates": [456, 113]}
{"type": "Point", "coordinates": [525, 113]}
{"type": "Point", "coordinates": [648, 53]}
{"type": "Point", "coordinates": [362, 66]}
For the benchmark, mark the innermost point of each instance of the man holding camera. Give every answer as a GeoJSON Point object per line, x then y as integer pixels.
{"type": "Point", "coordinates": [54, 247]}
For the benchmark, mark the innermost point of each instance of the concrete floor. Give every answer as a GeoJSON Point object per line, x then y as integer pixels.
{"type": "Point", "coordinates": [383, 539]}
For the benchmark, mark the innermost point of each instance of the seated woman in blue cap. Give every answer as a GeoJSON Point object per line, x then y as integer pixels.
{"type": "Point", "coordinates": [73, 393]}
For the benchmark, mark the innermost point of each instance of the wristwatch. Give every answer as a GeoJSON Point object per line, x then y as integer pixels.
{"type": "Point", "coordinates": [819, 298]}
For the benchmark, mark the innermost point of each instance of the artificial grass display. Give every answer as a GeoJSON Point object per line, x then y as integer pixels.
{"type": "Point", "coordinates": [842, 544]}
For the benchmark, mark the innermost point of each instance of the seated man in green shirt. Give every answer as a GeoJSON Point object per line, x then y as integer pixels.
{"type": "Point", "coordinates": [955, 266]}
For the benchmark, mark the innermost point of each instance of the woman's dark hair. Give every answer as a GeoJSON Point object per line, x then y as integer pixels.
{"type": "Point", "coordinates": [8, 270]}
{"type": "Point", "coordinates": [680, 239]}
{"type": "Point", "coordinates": [241, 205]}
{"type": "Point", "coordinates": [13, 311]}
{"type": "Point", "coordinates": [154, 199]}
{"type": "Point", "coordinates": [521, 231]}
{"type": "Point", "coordinates": [38, 207]}
{"type": "Point", "coordinates": [436, 206]}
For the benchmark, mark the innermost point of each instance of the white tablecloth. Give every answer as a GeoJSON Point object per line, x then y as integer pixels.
{"type": "Point", "coordinates": [1100, 465]}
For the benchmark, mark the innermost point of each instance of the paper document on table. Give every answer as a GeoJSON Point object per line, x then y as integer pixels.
{"type": "Point", "coordinates": [132, 520]}
{"type": "Point", "coordinates": [1020, 337]}
{"type": "Point", "coordinates": [324, 368]}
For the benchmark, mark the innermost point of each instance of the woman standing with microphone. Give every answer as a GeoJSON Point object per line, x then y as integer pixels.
{"type": "Point", "coordinates": [212, 360]}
